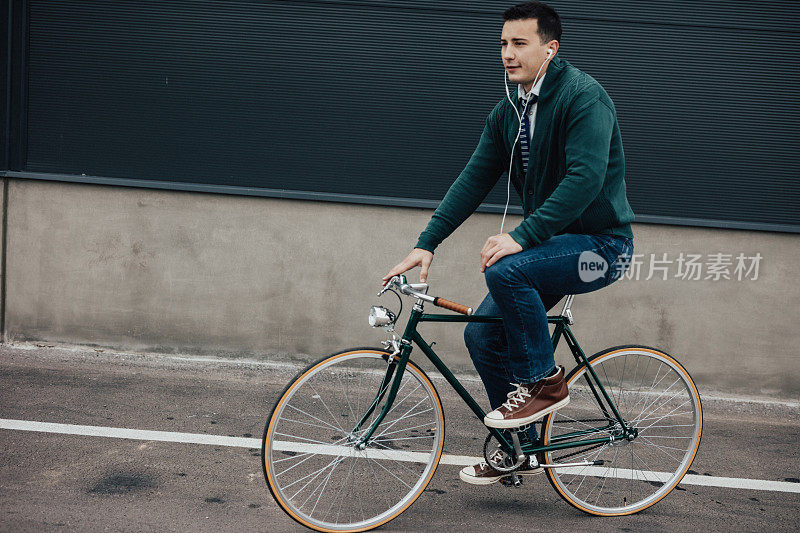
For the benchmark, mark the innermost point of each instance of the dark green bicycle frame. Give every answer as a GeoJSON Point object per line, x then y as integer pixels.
{"type": "Point", "coordinates": [395, 371]}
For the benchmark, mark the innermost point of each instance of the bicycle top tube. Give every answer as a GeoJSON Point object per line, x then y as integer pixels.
{"type": "Point", "coordinates": [420, 292]}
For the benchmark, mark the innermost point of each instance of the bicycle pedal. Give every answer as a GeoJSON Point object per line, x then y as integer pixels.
{"type": "Point", "coordinates": [510, 481]}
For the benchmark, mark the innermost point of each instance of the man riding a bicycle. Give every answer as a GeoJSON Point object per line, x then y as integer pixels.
{"type": "Point", "coordinates": [557, 136]}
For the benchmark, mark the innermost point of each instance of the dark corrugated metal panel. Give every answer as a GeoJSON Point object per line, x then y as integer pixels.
{"type": "Point", "coordinates": [775, 15]}
{"type": "Point", "coordinates": [707, 115]}
{"type": "Point", "coordinates": [388, 99]}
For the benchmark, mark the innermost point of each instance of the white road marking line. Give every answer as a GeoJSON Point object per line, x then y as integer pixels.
{"type": "Point", "coordinates": [446, 459]}
{"type": "Point", "coordinates": [123, 433]}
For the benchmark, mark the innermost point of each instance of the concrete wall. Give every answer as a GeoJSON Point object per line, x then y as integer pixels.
{"type": "Point", "coordinates": [245, 276]}
{"type": "Point", "coordinates": [2, 244]}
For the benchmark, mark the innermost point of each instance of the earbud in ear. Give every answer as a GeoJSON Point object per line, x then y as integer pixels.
{"type": "Point", "coordinates": [549, 52]}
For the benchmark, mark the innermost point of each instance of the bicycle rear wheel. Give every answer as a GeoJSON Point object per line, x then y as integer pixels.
{"type": "Point", "coordinates": [654, 394]}
{"type": "Point", "coordinates": [311, 463]}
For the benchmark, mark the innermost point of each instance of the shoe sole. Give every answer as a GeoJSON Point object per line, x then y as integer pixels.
{"type": "Point", "coordinates": [517, 422]}
{"type": "Point", "coordinates": [492, 480]}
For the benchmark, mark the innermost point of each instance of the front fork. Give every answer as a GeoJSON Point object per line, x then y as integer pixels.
{"type": "Point", "coordinates": [394, 374]}
{"type": "Point", "coordinates": [376, 402]}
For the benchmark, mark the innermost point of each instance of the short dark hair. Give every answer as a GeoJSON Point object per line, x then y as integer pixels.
{"type": "Point", "coordinates": [547, 19]}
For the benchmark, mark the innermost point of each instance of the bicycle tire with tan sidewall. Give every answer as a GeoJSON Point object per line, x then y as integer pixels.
{"type": "Point", "coordinates": [311, 422]}
{"type": "Point", "coordinates": [668, 417]}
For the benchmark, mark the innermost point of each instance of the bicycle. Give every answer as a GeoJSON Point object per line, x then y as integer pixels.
{"type": "Point", "coordinates": [356, 437]}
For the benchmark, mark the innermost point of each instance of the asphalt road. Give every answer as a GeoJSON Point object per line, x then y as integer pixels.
{"type": "Point", "coordinates": [52, 481]}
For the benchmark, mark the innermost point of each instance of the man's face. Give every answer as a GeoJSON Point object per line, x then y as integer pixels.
{"type": "Point", "coordinates": [522, 50]}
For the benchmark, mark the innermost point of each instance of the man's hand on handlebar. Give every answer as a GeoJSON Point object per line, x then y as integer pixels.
{"type": "Point", "coordinates": [417, 257]}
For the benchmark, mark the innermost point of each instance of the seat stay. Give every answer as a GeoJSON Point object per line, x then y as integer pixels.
{"type": "Point", "coordinates": [581, 359]}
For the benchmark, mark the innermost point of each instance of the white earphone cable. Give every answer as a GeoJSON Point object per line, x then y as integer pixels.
{"type": "Point", "coordinates": [519, 132]}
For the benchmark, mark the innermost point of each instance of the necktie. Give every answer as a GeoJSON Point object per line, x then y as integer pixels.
{"type": "Point", "coordinates": [525, 139]}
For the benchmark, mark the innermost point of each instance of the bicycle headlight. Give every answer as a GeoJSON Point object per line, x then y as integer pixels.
{"type": "Point", "coordinates": [380, 316]}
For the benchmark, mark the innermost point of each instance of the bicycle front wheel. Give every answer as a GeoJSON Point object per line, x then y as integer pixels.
{"type": "Point", "coordinates": [311, 463]}
{"type": "Point", "coordinates": [655, 395]}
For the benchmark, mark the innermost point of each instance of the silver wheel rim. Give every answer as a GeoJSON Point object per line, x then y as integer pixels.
{"type": "Point", "coordinates": [657, 396]}
{"type": "Point", "coordinates": [317, 472]}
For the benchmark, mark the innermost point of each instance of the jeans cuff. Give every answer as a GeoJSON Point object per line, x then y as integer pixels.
{"type": "Point", "coordinates": [535, 378]}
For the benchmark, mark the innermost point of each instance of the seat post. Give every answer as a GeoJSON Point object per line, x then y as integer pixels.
{"type": "Point", "coordinates": [566, 312]}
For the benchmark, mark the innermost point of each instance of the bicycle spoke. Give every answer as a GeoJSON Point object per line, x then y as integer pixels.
{"type": "Point", "coordinates": [620, 390]}
{"type": "Point", "coordinates": [394, 439]}
{"type": "Point", "coordinates": [399, 463]}
{"type": "Point", "coordinates": [389, 472]}
{"type": "Point", "coordinates": [407, 396]}
{"type": "Point", "coordinates": [317, 419]}
{"type": "Point", "coordinates": [586, 467]}
{"type": "Point", "coordinates": [346, 397]}
{"type": "Point", "coordinates": [662, 404]}
{"type": "Point", "coordinates": [665, 436]}
{"type": "Point", "coordinates": [310, 456]}
{"type": "Point", "coordinates": [639, 394]}
{"type": "Point", "coordinates": [647, 468]}
{"type": "Point", "coordinates": [304, 438]}
{"type": "Point", "coordinates": [635, 373]}
{"type": "Point", "coordinates": [670, 426]}
{"type": "Point", "coordinates": [327, 479]}
{"type": "Point", "coordinates": [662, 417]}
{"type": "Point", "coordinates": [323, 483]}
{"type": "Point", "coordinates": [633, 472]}
{"type": "Point", "coordinates": [405, 416]}
{"type": "Point", "coordinates": [653, 385]}
{"type": "Point", "coordinates": [314, 474]}
{"type": "Point", "coordinates": [658, 397]}
{"type": "Point", "coordinates": [428, 424]}
{"type": "Point", "coordinates": [613, 461]}
{"type": "Point", "coordinates": [663, 448]}
{"type": "Point", "coordinates": [342, 489]}
{"type": "Point", "coordinates": [298, 456]}
{"type": "Point", "coordinates": [684, 413]}
{"type": "Point", "coordinates": [325, 405]}
{"type": "Point", "coordinates": [305, 423]}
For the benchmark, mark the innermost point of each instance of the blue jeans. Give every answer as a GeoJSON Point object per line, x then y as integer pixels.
{"type": "Point", "coordinates": [522, 288]}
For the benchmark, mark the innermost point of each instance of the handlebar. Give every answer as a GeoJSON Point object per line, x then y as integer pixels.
{"type": "Point", "coordinates": [416, 290]}
{"type": "Point", "coordinates": [447, 304]}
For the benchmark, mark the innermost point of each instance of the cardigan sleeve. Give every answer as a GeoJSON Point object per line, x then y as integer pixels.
{"type": "Point", "coordinates": [469, 189]}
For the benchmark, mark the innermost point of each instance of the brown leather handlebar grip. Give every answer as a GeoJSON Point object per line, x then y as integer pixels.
{"type": "Point", "coordinates": [458, 308]}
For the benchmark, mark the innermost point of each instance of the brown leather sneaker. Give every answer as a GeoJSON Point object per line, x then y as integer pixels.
{"type": "Point", "coordinates": [530, 402]}
{"type": "Point", "coordinates": [483, 474]}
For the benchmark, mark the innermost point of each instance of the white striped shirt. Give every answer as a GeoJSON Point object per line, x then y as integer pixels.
{"type": "Point", "coordinates": [526, 96]}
